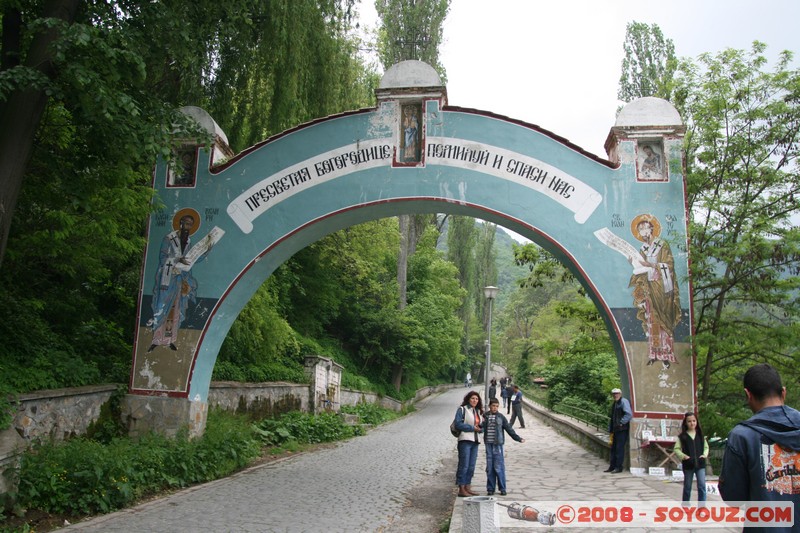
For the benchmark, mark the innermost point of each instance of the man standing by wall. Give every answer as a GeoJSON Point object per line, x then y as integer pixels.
{"type": "Point", "coordinates": [762, 455]}
{"type": "Point", "coordinates": [619, 427]}
{"type": "Point", "coordinates": [516, 407]}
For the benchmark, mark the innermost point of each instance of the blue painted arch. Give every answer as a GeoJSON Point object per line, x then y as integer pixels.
{"type": "Point", "coordinates": [278, 197]}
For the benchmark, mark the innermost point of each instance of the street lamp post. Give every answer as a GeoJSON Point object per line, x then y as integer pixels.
{"type": "Point", "coordinates": [490, 293]}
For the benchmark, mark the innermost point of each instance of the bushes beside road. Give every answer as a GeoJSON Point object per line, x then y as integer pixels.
{"type": "Point", "coordinates": [86, 476]}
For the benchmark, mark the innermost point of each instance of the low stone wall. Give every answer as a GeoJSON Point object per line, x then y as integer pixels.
{"type": "Point", "coordinates": [49, 414]}
{"type": "Point", "coordinates": [262, 400]}
{"type": "Point", "coordinates": [354, 397]}
{"type": "Point", "coordinates": [59, 413]}
{"type": "Point", "coordinates": [62, 413]}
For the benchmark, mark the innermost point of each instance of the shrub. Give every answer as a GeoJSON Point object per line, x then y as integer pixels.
{"type": "Point", "coordinates": [304, 428]}
{"type": "Point", "coordinates": [370, 413]}
{"type": "Point", "coordinates": [82, 476]}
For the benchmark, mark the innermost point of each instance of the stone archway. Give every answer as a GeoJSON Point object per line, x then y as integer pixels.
{"type": "Point", "coordinates": [414, 153]}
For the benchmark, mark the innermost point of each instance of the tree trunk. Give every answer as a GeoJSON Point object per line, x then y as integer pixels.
{"type": "Point", "coordinates": [402, 260]}
{"type": "Point", "coordinates": [397, 376]}
{"type": "Point", "coordinates": [707, 371]}
{"type": "Point", "coordinates": [21, 114]}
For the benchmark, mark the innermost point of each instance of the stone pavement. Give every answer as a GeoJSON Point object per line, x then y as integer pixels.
{"type": "Point", "coordinates": [359, 485]}
{"type": "Point", "coordinates": [548, 467]}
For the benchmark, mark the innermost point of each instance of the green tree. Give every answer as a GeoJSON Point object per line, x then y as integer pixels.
{"type": "Point", "coordinates": [743, 185]}
{"type": "Point", "coordinates": [648, 65]}
{"type": "Point", "coordinates": [92, 92]}
{"type": "Point", "coordinates": [411, 29]}
{"type": "Point", "coordinates": [461, 236]}
{"type": "Point", "coordinates": [546, 312]}
{"type": "Point", "coordinates": [435, 295]}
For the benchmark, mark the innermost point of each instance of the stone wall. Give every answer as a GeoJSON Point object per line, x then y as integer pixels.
{"type": "Point", "coordinates": [354, 397]}
{"type": "Point", "coordinates": [262, 400]}
{"type": "Point", "coordinates": [59, 413]}
{"type": "Point", "coordinates": [62, 413]}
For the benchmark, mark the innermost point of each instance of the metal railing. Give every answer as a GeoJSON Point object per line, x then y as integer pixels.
{"type": "Point", "coordinates": [596, 420]}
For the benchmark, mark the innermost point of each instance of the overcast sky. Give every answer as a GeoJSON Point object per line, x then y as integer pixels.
{"type": "Point", "coordinates": [557, 63]}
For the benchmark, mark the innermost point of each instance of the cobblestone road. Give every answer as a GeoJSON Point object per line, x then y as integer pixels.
{"type": "Point", "coordinates": [358, 485]}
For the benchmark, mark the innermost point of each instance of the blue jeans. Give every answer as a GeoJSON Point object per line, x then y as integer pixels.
{"type": "Point", "coordinates": [618, 450]}
{"type": "Point", "coordinates": [688, 476]}
{"type": "Point", "coordinates": [495, 468]}
{"type": "Point", "coordinates": [467, 455]}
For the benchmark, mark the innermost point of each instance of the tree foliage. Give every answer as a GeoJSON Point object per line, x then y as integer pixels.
{"type": "Point", "coordinates": [648, 65]}
{"type": "Point", "coordinates": [109, 80]}
{"type": "Point", "coordinates": [743, 186]}
{"type": "Point", "coordinates": [545, 314]}
{"type": "Point", "coordinates": [411, 29]}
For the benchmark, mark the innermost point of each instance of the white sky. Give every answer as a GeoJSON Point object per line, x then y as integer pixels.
{"type": "Point", "coordinates": [557, 63]}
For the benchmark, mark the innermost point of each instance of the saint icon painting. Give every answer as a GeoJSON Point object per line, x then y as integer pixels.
{"type": "Point", "coordinates": [175, 286]}
{"type": "Point", "coordinates": [654, 285]}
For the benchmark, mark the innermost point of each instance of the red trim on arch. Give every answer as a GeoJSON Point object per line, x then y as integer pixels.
{"type": "Point", "coordinates": [308, 224]}
{"type": "Point", "coordinates": [447, 108]}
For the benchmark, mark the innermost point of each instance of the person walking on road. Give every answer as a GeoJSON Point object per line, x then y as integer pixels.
{"type": "Point", "coordinates": [509, 396]}
{"type": "Point", "coordinates": [692, 450]}
{"type": "Point", "coordinates": [494, 429]}
{"type": "Point", "coordinates": [619, 427]}
{"type": "Point", "coordinates": [493, 389]}
{"type": "Point", "coordinates": [468, 422]}
{"type": "Point", "coordinates": [762, 454]}
{"type": "Point", "coordinates": [516, 407]}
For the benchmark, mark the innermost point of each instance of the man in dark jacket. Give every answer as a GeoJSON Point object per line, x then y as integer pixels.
{"type": "Point", "coordinates": [762, 455]}
{"type": "Point", "coordinates": [619, 428]}
{"type": "Point", "coordinates": [516, 407]}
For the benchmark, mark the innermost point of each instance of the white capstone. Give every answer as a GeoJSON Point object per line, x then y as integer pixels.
{"type": "Point", "coordinates": [205, 121]}
{"type": "Point", "coordinates": [649, 111]}
{"type": "Point", "coordinates": [410, 73]}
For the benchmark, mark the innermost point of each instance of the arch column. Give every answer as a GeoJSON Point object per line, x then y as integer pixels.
{"type": "Point", "coordinates": [648, 139]}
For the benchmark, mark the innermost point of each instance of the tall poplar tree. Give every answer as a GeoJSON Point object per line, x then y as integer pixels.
{"type": "Point", "coordinates": [648, 65]}
{"type": "Point", "coordinates": [409, 29]}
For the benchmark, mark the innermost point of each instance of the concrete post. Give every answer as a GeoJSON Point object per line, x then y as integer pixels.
{"type": "Point", "coordinates": [325, 376]}
{"type": "Point", "coordinates": [11, 448]}
{"type": "Point", "coordinates": [480, 515]}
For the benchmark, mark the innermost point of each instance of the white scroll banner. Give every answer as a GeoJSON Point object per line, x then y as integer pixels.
{"type": "Point", "coordinates": [285, 183]}
{"type": "Point", "coordinates": [530, 172]}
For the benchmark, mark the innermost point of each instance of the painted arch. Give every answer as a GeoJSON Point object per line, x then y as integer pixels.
{"type": "Point", "coordinates": [413, 153]}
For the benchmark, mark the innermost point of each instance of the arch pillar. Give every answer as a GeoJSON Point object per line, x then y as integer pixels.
{"type": "Point", "coordinates": [648, 139]}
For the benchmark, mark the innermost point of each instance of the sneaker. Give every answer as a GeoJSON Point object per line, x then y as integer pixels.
{"type": "Point", "coordinates": [490, 493]}
{"type": "Point", "coordinates": [502, 493]}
